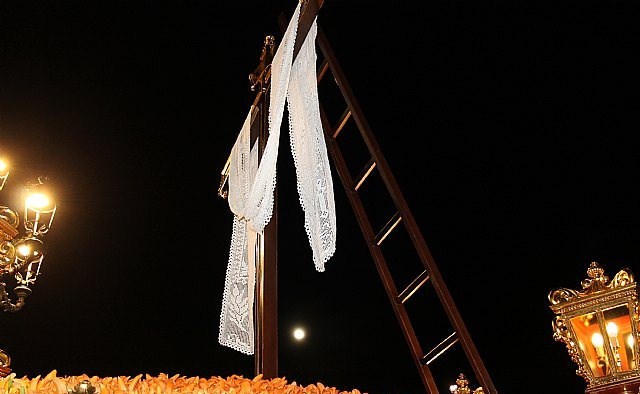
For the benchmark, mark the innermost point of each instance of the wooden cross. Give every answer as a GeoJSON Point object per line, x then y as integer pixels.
{"type": "Point", "coordinates": [266, 296]}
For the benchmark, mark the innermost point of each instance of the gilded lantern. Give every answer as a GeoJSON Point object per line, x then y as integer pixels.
{"type": "Point", "coordinates": [599, 326]}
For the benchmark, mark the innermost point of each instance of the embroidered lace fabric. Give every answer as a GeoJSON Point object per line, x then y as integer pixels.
{"type": "Point", "coordinates": [236, 317]}
{"type": "Point", "coordinates": [260, 201]}
{"type": "Point", "coordinates": [315, 187]}
{"type": "Point", "coordinates": [252, 184]}
{"type": "Point", "coordinates": [251, 187]}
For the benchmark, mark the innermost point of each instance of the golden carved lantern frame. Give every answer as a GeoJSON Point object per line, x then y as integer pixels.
{"type": "Point", "coordinates": [599, 326]}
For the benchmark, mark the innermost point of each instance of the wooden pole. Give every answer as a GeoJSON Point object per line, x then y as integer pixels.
{"type": "Point", "coordinates": [266, 297]}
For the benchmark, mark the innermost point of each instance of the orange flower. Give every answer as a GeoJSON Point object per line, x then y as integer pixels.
{"type": "Point", "coordinates": [162, 384]}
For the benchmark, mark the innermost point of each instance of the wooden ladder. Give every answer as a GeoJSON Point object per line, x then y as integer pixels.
{"type": "Point", "coordinates": [345, 125]}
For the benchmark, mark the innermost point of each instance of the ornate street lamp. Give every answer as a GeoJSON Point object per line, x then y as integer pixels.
{"type": "Point", "coordinates": [21, 254]}
{"type": "Point", "coordinates": [84, 387]}
{"type": "Point", "coordinates": [462, 386]}
{"type": "Point", "coordinates": [599, 326]}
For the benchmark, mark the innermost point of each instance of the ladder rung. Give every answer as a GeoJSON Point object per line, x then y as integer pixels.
{"type": "Point", "coordinates": [388, 228]}
{"type": "Point", "coordinates": [413, 287]}
{"type": "Point", "coordinates": [322, 70]}
{"type": "Point", "coordinates": [439, 349]}
{"type": "Point", "coordinates": [343, 121]}
{"type": "Point", "coordinates": [364, 174]}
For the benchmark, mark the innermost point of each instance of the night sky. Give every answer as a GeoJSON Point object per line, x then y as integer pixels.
{"type": "Point", "coordinates": [510, 127]}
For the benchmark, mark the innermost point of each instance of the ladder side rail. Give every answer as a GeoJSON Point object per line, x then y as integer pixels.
{"type": "Point", "coordinates": [409, 222]}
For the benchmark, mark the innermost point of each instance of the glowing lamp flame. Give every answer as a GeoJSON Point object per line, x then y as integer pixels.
{"type": "Point", "coordinates": [37, 201]}
{"type": "Point", "coordinates": [24, 250]}
{"type": "Point", "coordinates": [597, 340]}
{"type": "Point", "coordinates": [612, 329]}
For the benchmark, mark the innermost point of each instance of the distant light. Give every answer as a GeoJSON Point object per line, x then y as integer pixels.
{"type": "Point", "coordinates": [299, 334]}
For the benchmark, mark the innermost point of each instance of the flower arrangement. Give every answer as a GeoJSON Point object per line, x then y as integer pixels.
{"type": "Point", "coordinates": [161, 384]}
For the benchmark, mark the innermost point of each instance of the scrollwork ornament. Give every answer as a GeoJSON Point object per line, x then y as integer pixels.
{"type": "Point", "coordinates": [621, 279]}
{"type": "Point", "coordinates": [561, 333]}
{"type": "Point", "coordinates": [596, 282]}
{"type": "Point", "coordinates": [562, 295]}
{"type": "Point", "coordinates": [7, 254]}
{"type": "Point", "coordinates": [9, 215]}
{"type": "Point", "coordinates": [634, 307]}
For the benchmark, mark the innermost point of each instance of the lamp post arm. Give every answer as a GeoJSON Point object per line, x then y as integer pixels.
{"type": "Point", "coordinates": [5, 301]}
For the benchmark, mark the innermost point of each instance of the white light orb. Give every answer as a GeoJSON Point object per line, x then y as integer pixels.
{"type": "Point", "coordinates": [299, 334]}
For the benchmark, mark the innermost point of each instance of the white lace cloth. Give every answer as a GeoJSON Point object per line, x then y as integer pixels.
{"type": "Point", "coordinates": [236, 318]}
{"type": "Point", "coordinates": [252, 185]}
{"type": "Point", "coordinates": [315, 187]}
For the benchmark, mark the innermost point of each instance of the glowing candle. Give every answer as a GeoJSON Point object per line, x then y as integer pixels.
{"type": "Point", "coordinates": [598, 341]}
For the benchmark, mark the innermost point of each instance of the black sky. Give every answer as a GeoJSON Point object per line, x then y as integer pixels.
{"type": "Point", "coordinates": [510, 127]}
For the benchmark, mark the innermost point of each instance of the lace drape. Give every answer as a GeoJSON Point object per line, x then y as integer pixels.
{"type": "Point", "coordinates": [252, 185]}
{"type": "Point", "coordinates": [236, 317]}
{"type": "Point", "coordinates": [315, 187]}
